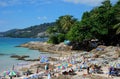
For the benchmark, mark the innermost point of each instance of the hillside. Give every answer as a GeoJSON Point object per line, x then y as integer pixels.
{"type": "Point", "coordinates": [30, 32]}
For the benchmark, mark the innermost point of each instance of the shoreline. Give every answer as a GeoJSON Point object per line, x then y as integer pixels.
{"type": "Point", "coordinates": [79, 74]}
{"type": "Point", "coordinates": [64, 55]}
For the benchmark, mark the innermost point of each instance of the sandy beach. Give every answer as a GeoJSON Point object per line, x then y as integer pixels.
{"type": "Point", "coordinates": [70, 66]}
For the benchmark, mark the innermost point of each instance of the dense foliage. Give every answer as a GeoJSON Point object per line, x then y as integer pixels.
{"type": "Point", "coordinates": [102, 23]}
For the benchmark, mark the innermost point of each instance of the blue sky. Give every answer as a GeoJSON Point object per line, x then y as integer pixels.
{"type": "Point", "coordinates": [24, 13]}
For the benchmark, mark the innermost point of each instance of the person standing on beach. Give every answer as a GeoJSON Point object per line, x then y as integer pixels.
{"type": "Point", "coordinates": [37, 70]}
{"type": "Point", "coordinates": [83, 58]}
{"type": "Point", "coordinates": [46, 68]}
{"type": "Point", "coordinates": [109, 71]}
{"type": "Point", "coordinates": [88, 68]}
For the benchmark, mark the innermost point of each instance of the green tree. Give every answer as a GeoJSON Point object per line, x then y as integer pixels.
{"type": "Point", "coordinates": [117, 26]}
{"type": "Point", "coordinates": [53, 39]}
{"type": "Point", "coordinates": [64, 23]}
{"type": "Point", "coordinates": [79, 33]}
{"type": "Point", "coordinates": [51, 30]}
{"type": "Point", "coordinates": [61, 37]}
{"type": "Point", "coordinates": [117, 15]}
{"type": "Point", "coordinates": [102, 19]}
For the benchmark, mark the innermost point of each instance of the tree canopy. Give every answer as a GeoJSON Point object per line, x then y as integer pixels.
{"type": "Point", "coordinates": [102, 22]}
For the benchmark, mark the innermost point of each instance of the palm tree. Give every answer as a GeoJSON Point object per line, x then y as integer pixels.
{"type": "Point", "coordinates": [65, 22]}
{"type": "Point", "coordinates": [117, 27]}
{"type": "Point", "coordinates": [117, 14]}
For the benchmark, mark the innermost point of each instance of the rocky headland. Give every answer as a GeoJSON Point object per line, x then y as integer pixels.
{"type": "Point", "coordinates": [105, 53]}
{"type": "Point", "coordinates": [51, 48]}
{"type": "Point", "coordinates": [100, 50]}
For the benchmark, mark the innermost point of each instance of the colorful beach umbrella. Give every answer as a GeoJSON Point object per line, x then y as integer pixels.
{"type": "Point", "coordinates": [6, 73]}
{"type": "Point", "coordinates": [118, 65]}
{"type": "Point", "coordinates": [12, 73]}
{"type": "Point", "coordinates": [69, 65]}
{"type": "Point", "coordinates": [43, 59]}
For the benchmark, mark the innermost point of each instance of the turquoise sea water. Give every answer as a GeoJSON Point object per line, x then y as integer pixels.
{"type": "Point", "coordinates": [8, 48]}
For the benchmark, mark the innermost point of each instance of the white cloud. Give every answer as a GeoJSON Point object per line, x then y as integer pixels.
{"type": "Point", "coordinates": [42, 18]}
{"type": "Point", "coordinates": [85, 2]}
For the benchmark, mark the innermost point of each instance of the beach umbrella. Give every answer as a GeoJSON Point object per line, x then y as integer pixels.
{"type": "Point", "coordinates": [69, 65]}
{"type": "Point", "coordinates": [62, 67]}
{"type": "Point", "coordinates": [44, 59]}
{"type": "Point", "coordinates": [59, 67]}
{"type": "Point", "coordinates": [118, 65]}
{"type": "Point", "coordinates": [6, 73]}
{"type": "Point", "coordinates": [12, 73]}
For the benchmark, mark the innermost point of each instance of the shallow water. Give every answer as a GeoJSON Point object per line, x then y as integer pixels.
{"type": "Point", "coordinates": [8, 48]}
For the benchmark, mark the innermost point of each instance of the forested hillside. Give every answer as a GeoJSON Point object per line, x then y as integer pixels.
{"type": "Point", "coordinates": [33, 31]}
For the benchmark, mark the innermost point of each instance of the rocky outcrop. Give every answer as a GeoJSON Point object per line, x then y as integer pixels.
{"type": "Point", "coordinates": [106, 51]}
{"type": "Point", "coordinates": [24, 58]}
{"type": "Point", "coordinates": [45, 47]}
{"type": "Point", "coordinates": [99, 52]}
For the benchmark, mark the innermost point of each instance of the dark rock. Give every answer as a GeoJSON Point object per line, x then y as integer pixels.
{"type": "Point", "coordinates": [1, 54]}
{"type": "Point", "coordinates": [19, 57]}
{"type": "Point", "coordinates": [15, 56]}
{"type": "Point", "coordinates": [17, 46]}
{"type": "Point", "coordinates": [32, 60]}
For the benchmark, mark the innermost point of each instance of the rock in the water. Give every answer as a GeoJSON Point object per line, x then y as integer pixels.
{"type": "Point", "coordinates": [32, 60]}
{"type": "Point", "coordinates": [19, 57]}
